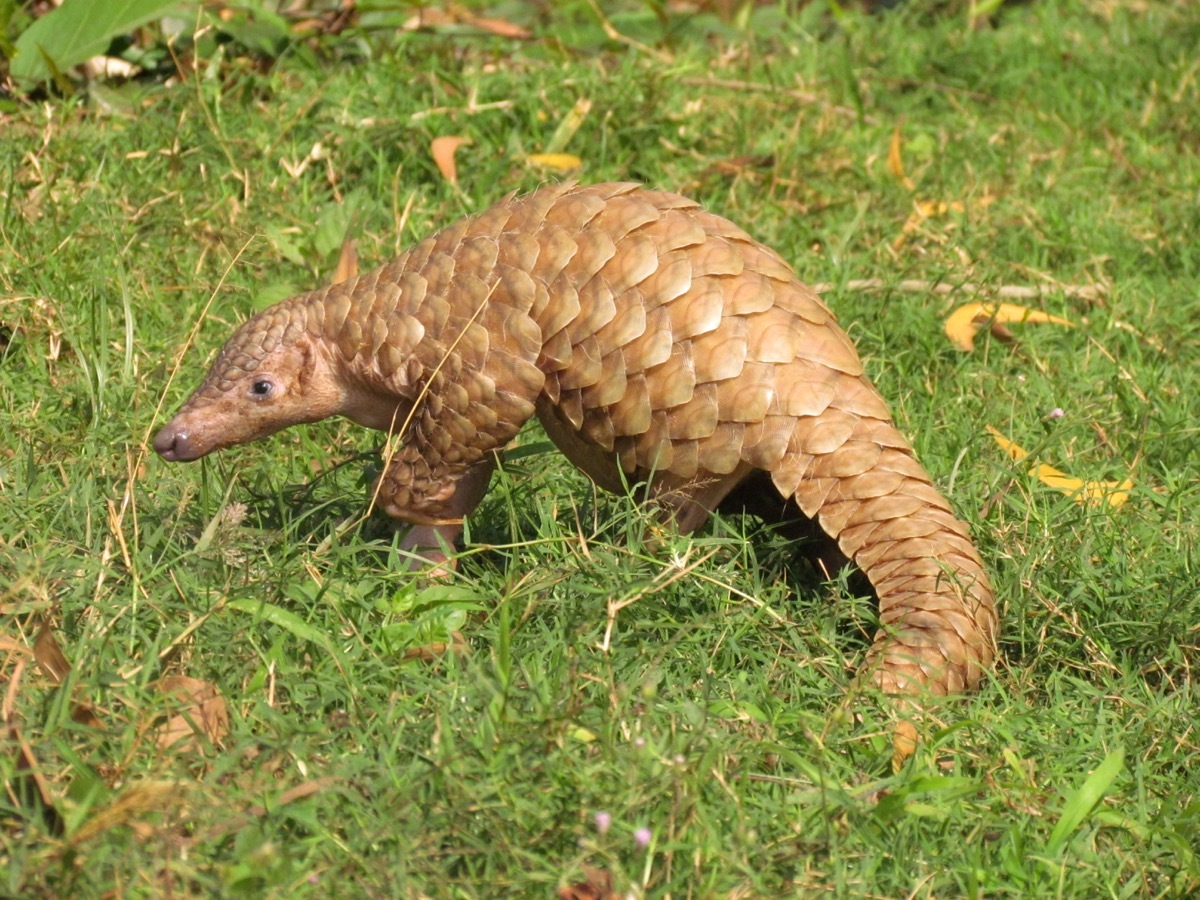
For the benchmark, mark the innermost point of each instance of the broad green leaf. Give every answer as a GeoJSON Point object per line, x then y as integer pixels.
{"type": "Point", "coordinates": [286, 620]}
{"type": "Point", "coordinates": [1080, 804]}
{"type": "Point", "coordinates": [80, 29]}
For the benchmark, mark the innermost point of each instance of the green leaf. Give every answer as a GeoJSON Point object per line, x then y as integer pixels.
{"type": "Point", "coordinates": [288, 621]}
{"type": "Point", "coordinates": [1080, 804]}
{"type": "Point", "coordinates": [78, 30]}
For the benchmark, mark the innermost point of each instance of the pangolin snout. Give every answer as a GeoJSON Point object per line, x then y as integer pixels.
{"type": "Point", "coordinates": [173, 444]}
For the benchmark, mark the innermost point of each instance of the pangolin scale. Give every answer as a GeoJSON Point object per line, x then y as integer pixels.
{"type": "Point", "coordinates": [652, 339]}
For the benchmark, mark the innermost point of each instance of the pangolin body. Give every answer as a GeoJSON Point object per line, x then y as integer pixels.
{"type": "Point", "coordinates": [651, 338]}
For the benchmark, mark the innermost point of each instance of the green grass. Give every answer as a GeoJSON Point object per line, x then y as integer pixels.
{"type": "Point", "coordinates": [707, 708]}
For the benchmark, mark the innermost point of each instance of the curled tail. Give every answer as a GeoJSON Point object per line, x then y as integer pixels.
{"type": "Point", "coordinates": [936, 609]}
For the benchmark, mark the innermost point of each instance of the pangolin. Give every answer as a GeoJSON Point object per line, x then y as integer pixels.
{"type": "Point", "coordinates": [658, 343]}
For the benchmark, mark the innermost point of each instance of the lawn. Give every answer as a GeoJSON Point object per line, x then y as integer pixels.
{"type": "Point", "coordinates": [218, 677]}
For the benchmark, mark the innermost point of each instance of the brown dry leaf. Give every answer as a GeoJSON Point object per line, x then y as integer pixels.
{"type": "Point", "coordinates": [12, 646]}
{"type": "Point", "coordinates": [131, 804]}
{"type": "Point", "coordinates": [963, 323]}
{"type": "Point", "coordinates": [54, 665]}
{"type": "Point", "coordinates": [443, 150]}
{"type": "Point", "coordinates": [427, 17]}
{"type": "Point", "coordinates": [203, 713]}
{"type": "Point", "coordinates": [331, 22]}
{"type": "Point", "coordinates": [559, 162]}
{"type": "Point", "coordinates": [49, 656]}
{"type": "Point", "coordinates": [458, 646]}
{"type": "Point", "coordinates": [498, 27]}
{"type": "Point", "coordinates": [1115, 493]}
{"type": "Point", "coordinates": [292, 794]}
{"type": "Point", "coordinates": [454, 14]}
{"type": "Point", "coordinates": [27, 765]}
{"type": "Point", "coordinates": [85, 714]}
{"type": "Point", "coordinates": [904, 743]}
{"type": "Point", "coordinates": [26, 761]}
{"type": "Point", "coordinates": [895, 160]}
{"type": "Point", "coordinates": [347, 265]}
{"type": "Point", "coordinates": [598, 886]}
{"type": "Point", "coordinates": [736, 165]}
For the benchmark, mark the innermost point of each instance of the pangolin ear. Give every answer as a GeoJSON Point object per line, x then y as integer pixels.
{"type": "Point", "coordinates": [308, 361]}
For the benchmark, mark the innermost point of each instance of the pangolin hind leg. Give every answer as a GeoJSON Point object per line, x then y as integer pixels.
{"type": "Point", "coordinates": [436, 507]}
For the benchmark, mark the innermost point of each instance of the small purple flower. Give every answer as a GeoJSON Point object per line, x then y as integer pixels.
{"type": "Point", "coordinates": [639, 742]}
{"type": "Point", "coordinates": [642, 836]}
{"type": "Point", "coordinates": [1056, 413]}
{"type": "Point", "coordinates": [603, 821]}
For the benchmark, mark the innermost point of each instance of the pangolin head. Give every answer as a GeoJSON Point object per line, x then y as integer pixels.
{"type": "Point", "coordinates": [270, 374]}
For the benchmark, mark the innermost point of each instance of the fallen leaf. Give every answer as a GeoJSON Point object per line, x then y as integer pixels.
{"type": "Point", "coordinates": [923, 211]}
{"type": "Point", "coordinates": [1115, 493]}
{"type": "Point", "coordinates": [203, 712]}
{"type": "Point", "coordinates": [331, 22]}
{"type": "Point", "coordinates": [458, 646]}
{"type": "Point", "coordinates": [432, 17]}
{"type": "Point", "coordinates": [962, 324]}
{"type": "Point", "coordinates": [498, 27]}
{"type": "Point", "coordinates": [134, 801]}
{"type": "Point", "coordinates": [12, 646]}
{"type": "Point", "coordinates": [735, 165]}
{"type": "Point", "coordinates": [85, 714]}
{"type": "Point", "coordinates": [581, 734]}
{"type": "Point", "coordinates": [598, 886]}
{"type": "Point", "coordinates": [347, 264]}
{"type": "Point", "coordinates": [904, 743]}
{"type": "Point", "coordinates": [559, 162]}
{"type": "Point", "coordinates": [54, 665]}
{"type": "Point", "coordinates": [570, 124]}
{"type": "Point", "coordinates": [292, 794]}
{"type": "Point", "coordinates": [427, 17]}
{"type": "Point", "coordinates": [443, 150]}
{"type": "Point", "coordinates": [27, 767]}
{"type": "Point", "coordinates": [49, 657]}
{"type": "Point", "coordinates": [895, 160]}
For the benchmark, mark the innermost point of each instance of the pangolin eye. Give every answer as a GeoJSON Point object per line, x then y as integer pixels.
{"type": "Point", "coordinates": [262, 388]}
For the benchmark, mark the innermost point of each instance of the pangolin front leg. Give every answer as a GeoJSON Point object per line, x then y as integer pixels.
{"type": "Point", "coordinates": [657, 343]}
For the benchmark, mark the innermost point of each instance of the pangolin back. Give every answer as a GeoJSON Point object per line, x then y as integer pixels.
{"type": "Point", "coordinates": [653, 337]}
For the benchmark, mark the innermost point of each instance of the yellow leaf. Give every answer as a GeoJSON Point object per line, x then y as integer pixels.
{"type": "Point", "coordinates": [443, 150]}
{"type": "Point", "coordinates": [904, 743]}
{"type": "Point", "coordinates": [568, 126]}
{"type": "Point", "coordinates": [581, 734]}
{"type": "Point", "coordinates": [962, 324]}
{"type": "Point", "coordinates": [924, 210]}
{"type": "Point", "coordinates": [559, 162]}
{"type": "Point", "coordinates": [1113, 492]}
{"type": "Point", "coordinates": [895, 160]}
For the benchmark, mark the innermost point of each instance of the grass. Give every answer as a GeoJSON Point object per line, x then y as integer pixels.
{"type": "Point", "coordinates": [695, 687]}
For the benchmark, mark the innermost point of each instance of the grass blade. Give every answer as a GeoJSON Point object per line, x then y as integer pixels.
{"type": "Point", "coordinates": [1080, 804]}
